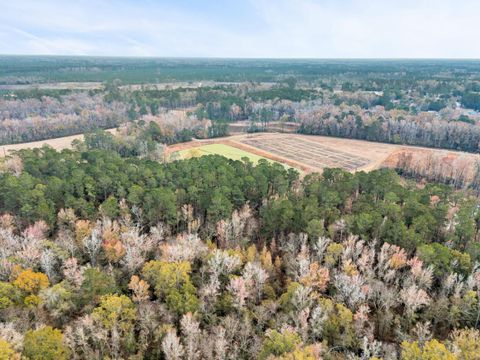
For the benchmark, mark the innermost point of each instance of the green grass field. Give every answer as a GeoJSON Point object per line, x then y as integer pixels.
{"type": "Point", "coordinates": [221, 149]}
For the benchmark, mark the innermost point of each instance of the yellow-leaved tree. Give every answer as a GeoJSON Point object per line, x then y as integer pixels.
{"type": "Point", "coordinates": [171, 281]}
{"type": "Point", "coordinates": [6, 351]}
{"type": "Point", "coordinates": [431, 350]}
{"type": "Point", "coordinates": [45, 344]}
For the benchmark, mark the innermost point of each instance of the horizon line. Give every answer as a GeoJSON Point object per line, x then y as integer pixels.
{"type": "Point", "coordinates": [238, 58]}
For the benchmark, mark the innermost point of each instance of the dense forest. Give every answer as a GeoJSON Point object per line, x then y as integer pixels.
{"type": "Point", "coordinates": [40, 69]}
{"type": "Point", "coordinates": [392, 127]}
{"type": "Point", "coordinates": [114, 249]}
{"type": "Point", "coordinates": [32, 119]}
{"type": "Point", "coordinates": [110, 256]}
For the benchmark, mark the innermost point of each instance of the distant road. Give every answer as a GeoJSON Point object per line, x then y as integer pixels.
{"type": "Point", "coordinates": [57, 143]}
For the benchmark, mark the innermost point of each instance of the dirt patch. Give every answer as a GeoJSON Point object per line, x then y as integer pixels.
{"type": "Point", "coordinates": [309, 152]}
{"type": "Point", "coordinates": [189, 145]}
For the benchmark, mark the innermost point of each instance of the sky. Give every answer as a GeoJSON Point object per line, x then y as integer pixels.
{"type": "Point", "coordinates": [242, 28]}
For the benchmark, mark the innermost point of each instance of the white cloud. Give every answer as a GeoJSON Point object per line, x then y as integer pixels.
{"type": "Point", "coordinates": [285, 28]}
{"type": "Point", "coordinates": [375, 28]}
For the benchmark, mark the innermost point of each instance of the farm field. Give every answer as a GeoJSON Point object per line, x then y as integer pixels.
{"type": "Point", "coordinates": [305, 153]}
{"type": "Point", "coordinates": [314, 153]}
{"type": "Point", "coordinates": [228, 151]}
{"type": "Point", "coordinates": [310, 154]}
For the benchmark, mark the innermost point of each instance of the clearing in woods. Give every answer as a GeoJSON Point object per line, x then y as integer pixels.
{"type": "Point", "coordinates": [306, 153]}
{"type": "Point", "coordinates": [309, 153]}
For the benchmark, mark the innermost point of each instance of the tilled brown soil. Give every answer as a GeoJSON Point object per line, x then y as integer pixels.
{"type": "Point", "coordinates": [312, 153]}
{"type": "Point", "coordinates": [306, 153]}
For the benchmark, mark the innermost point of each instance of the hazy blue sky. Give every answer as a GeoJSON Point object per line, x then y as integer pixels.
{"type": "Point", "coordinates": [249, 28]}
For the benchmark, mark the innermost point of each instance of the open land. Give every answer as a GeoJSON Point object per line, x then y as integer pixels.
{"type": "Point", "coordinates": [59, 144]}
{"type": "Point", "coordinates": [314, 153]}
{"type": "Point", "coordinates": [305, 153]}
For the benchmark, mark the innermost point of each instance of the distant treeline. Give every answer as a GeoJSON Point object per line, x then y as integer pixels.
{"type": "Point", "coordinates": [27, 69]}
{"type": "Point", "coordinates": [455, 135]}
